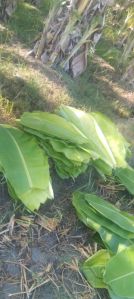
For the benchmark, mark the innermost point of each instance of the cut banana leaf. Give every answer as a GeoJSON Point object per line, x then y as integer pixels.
{"type": "Point", "coordinates": [126, 177]}
{"type": "Point", "coordinates": [53, 125]}
{"type": "Point", "coordinates": [70, 160]}
{"type": "Point", "coordinates": [90, 217]}
{"type": "Point", "coordinates": [65, 166]}
{"type": "Point", "coordinates": [112, 241]}
{"type": "Point", "coordinates": [94, 268]}
{"type": "Point", "coordinates": [114, 237]}
{"type": "Point", "coordinates": [81, 202]}
{"type": "Point", "coordinates": [71, 152]}
{"type": "Point", "coordinates": [109, 211]}
{"type": "Point", "coordinates": [75, 138]}
{"type": "Point", "coordinates": [87, 124]}
{"type": "Point", "coordinates": [25, 167]}
{"type": "Point", "coordinates": [119, 273]}
{"type": "Point", "coordinates": [102, 168]}
{"type": "Point", "coordinates": [73, 172]}
{"type": "Point", "coordinates": [113, 296]}
{"type": "Point", "coordinates": [115, 273]}
{"type": "Point", "coordinates": [117, 143]}
{"type": "Point", "coordinates": [35, 197]}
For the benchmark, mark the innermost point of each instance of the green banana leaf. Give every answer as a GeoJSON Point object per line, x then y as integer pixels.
{"type": "Point", "coordinates": [94, 267]}
{"type": "Point", "coordinates": [73, 172]}
{"type": "Point", "coordinates": [71, 152]}
{"type": "Point", "coordinates": [115, 273]}
{"type": "Point", "coordinates": [25, 167]}
{"type": "Point", "coordinates": [118, 144]}
{"type": "Point", "coordinates": [112, 234]}
{"type": "Point", "coordinates": [87, 124]}
{"type": "Point", "coordinates": [126, 177]}
{"type": "Point", "coordinates": [76, 139]}
{"type": "Point", "coordinates": [112, 241]}
{"type": "Point", "coordinates": [53, 125]}
{"type": "Point", "coordinates": [65, 165]}
{"type": "Point", "coordinates": [101, 222]}
{"type": "Point", "coordinates": [119, 273]}
{"type": "Point", "coordinates": [117, 223]}
{"type": "Point", "coordinates": [109, 211]}
{"type": "Point", "coordinates": [113, 296]}
{"type": "Point", "coordinates": [80, 137]}
{"type": "Point", "coordinates": [70, 159]}
{"type": "Point", "coordinates": [102, 168]}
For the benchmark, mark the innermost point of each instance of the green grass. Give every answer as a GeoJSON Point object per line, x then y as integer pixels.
{"type": "Point", "coordinates": [27, 22]}
{"type": "Point", "coordinates": [109, 52]}
{"type": "Point", "coordinates": [26, 87]}
{"type": "Point", "coordinates": [44, 6]}
{"type": "Point", "coordinates": [30, 88]}
{"type": "Point", "coordinates": [85, 93]}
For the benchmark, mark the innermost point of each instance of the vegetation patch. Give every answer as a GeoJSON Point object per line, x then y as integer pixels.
{"type": "Point", "coordinates": [42, 252]}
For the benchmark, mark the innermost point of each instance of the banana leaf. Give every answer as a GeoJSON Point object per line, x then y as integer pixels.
{"type": "Point", "coordinates": [73, 172]}
{"type": "Point", "coordinates": [114, 273]}
{"type": "Point", "coordinates": [119, 273]}
{"type": "Point", "coordinates": [76, 139]}
{"type": "Point", "coordinates": [53, 125]}
{"type": "Point", "coordinates": [126, 177]}
{"type": "Point", "coordinates": [112, 241]}
{"type": "Point", "coordinates": [106, 145]}
{"type": "Point", "coordinates": [102, 168]}
{"type": "Point", "coordinates": [109, 211]}
{"type": "Point", "coordinates": [94, 267]}
{"type": "Point", "coordinates": [116, 236]}
{"type": "Point", "coordinates": [97, 221]}
{"type": "Point", "coordinates": [71, 152]}
{"type": "Point", "coordinates": [87, 124]}
{"type": "Point", "coordinates": [118, 144]}
{"type": "Point", "coordinates": [70, 159]}
{"type": "Point", "coordinates": [25, 167]}
{"type": "Point", "coordinates": [103, 213]}
{"type": "Point", "coordinates": [113, 296]}
{"type": "Point", "coordinates": [65, 165]}
{"type": "Point", "coordinates": [0, 168]}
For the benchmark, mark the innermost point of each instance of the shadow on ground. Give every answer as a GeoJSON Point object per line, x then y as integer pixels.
{"type": "Point", "coordinates": [26, 23]}
{"type": "Point", "coordinates": [39, 258]}
{"type": "Point", "coordinates": [42, 88]}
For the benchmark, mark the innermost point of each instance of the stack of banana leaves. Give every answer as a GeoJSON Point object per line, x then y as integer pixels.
{"type": "Point", "coordinates": [75, 139]}
{"type": "Point", "coordinates": [25, 167]}
{"type": "Point", "coordinates": [61, 140]}
{"type": "Point", "coordinates": [111, 268]}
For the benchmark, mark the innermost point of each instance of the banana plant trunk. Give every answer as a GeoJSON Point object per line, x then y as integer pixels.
{"type": "Point", "coordinates": [72, 28]}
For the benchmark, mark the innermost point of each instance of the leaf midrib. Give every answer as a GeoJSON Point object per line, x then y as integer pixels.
{"type": "Point", "coordinates": [120, 277]}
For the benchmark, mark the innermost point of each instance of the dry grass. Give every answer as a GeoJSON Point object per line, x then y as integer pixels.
{"type": "Point", "coordinates": [41, 255]}
{"type": "Point", "coordinates": [28, 85]}
{"type": "Point", "coordinates": [6, 111]}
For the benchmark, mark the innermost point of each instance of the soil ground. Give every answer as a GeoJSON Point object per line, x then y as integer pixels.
{"type": "Point", "coordinates": [40, 254]}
